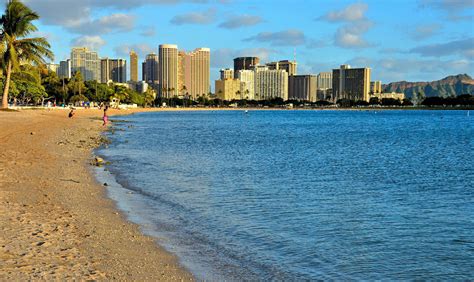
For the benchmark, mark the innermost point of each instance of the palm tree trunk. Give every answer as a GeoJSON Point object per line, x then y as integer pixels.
{"type": "Point", "coordinates": [7, 86]}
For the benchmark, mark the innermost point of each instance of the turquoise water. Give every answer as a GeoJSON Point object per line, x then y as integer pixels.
{"type": "Point", "coordinates": [291, 195]}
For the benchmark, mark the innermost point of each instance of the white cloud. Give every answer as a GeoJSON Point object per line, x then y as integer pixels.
{"type": "Point", "coordinates": [93, 42]}
{"type": "Point", "coordinates": [141, 49]}
{"type": "Point", "coordinates": [351, 36]}
{"type": "Point", "coordinates": [290, 37]}
{"type": "Point", "coordinates": [425, 31]}
{"type": "Point", "coordinates": [463, 47]}
{"type": "Point", "coordinates": [454, 10]}
{"type": "Point", "coordinates": [204, 17]}
{"type": "Point", "coordinates": [354, 12]}
{"type": "Point", "coordinates": [224, 57]}
{"type": "Point", "coordinates": [351, 33]}
{"type": "Point", "coordinates": [148, 31]}
{"type": "Point", "coordinates": [241, 21]}
{"type": "Point", "coordinates": [106, 24]}
{"type": "Point", "coordinates": [398, 68]}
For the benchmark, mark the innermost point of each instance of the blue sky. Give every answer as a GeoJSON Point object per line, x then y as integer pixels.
{"type": "Point", "coordinates": [414, 40]}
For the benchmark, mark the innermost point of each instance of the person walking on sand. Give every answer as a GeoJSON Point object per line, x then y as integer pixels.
{"type": "Point", "coordinates": [105, 118]}
{"type": "Point", "coordinates": [71, 113]}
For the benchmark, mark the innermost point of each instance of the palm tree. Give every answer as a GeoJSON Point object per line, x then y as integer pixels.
{"type": "Point", "coordinates": [15, 48]}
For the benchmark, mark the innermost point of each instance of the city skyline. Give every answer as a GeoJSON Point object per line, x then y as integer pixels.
{"type": "Point", "coordinates": [391, 38]}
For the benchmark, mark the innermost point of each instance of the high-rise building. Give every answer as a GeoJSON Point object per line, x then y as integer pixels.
{"type": "Point", "coordinates": [247, 83]}
{"type": "Point", "coordinates": [168, 70]}
{"type": "Point", "coordinates": [244, 63]}
{"type": "Point", "coordinates": [228, 89]}
{"type": "Point", "coordinates": [87, 62]}
{"type": "Point", "coordinates": [182, 88]}
{"type": "Point", "coordinates": [271, 84]}
{"type": "Point", "coordinates": [52, 67]}
{"type": "Point", "coordinates": [376, 86]}
{"type": "Point", "coordinates": [194, 71]}
{"type": "Point", "coordinates": [64, 70]}
{"type": "Point", "coordinates": [349, 83]}
{"type": "Point", "coordinates": [133, 66]}
{"type": "Point", "coordinates": [227, 74]}
{"type": "Point", "coordinates": [324, 80]}
{"type": "Point", "coordinates": [302, 87]}
{"type": "Point", "coordinates": [288, 66]}
{"type": "Point", "coordinates": [113, 70]}
{"type": "Point", "coordinates": [150, 69]}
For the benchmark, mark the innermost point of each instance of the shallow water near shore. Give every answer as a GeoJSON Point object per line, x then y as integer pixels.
{"type": "Point", "coordinates": [290, 195]}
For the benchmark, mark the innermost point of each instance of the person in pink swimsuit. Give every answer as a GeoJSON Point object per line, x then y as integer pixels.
{"type": "Point", "coordinates": [105, 118]}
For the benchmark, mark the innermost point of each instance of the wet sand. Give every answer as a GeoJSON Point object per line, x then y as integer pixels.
{"type": "Point", "coordinates": [55, 219]}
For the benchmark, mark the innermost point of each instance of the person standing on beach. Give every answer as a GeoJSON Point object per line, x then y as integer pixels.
{"type": "Point", "coordinates": [105, 118]}
{"type": "Point", "coordinates": [71, 113]}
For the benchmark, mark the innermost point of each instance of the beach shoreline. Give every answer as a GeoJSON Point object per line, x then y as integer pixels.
{"type": "Point", "coordinates": [56, 221]}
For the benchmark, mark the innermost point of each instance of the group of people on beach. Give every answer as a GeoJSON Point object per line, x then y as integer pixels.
{"type": "Point", "coordinates": [105, 117]}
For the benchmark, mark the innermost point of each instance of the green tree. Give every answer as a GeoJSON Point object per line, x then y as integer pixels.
{"type": "Point", "coordinates": [16, 48]}
{"type": "Point", "coordinates": [76, 84]}
{"type": "Point", "coordinates": [52, 84]}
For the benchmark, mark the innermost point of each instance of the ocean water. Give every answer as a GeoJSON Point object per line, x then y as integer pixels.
{"type": "Point", "coordinates": [301, 195]}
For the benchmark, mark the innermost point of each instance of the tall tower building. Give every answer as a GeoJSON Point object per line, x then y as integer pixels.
{"type": "Point", "coordinates": [247, 83]}
{"type": "Point", "coordinates": [133, 66]}
{"type": "Point", "coordinates": [376, 87]}
{"type": "Point", "coordinates": [228, 89]}
{"type": "Point", "coordinates": [324, 80]}
{"type": "Point", "coordinates": [271, 84]}
{"type": "Point", "coordinates": [244, 63]}
{"type": "Point", "coordinates": [113, 70]}
{"type": "Point", "coordinates": [227, 74]}
{"type": "Point", "coordinates": [196, 66]}
{"type": "Point", "coordinates": [168, 70]}
{"type": "Point", "coordinates": [87, 62]}
{"type": "Point", "coordinates": [302, 87]}
{"type": "Point", "coordinates": [349, 83]}
{"type": "Point", "coordinates": [182, 87]}
{"type": "Point", "coordinates": [289, 66]}
{"type": "Point", "coordinates": [150, 69]}
{"type": "Point", "coordinates": [64, 70]}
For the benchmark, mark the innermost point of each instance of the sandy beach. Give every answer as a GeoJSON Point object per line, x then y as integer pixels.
{"type": "Point", "coordinates": [55, 219]}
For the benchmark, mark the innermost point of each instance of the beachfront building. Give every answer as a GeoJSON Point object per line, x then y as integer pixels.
{"type": "Point", "coordinates": [349, 83]}
{"type": "Point", "coordinates": [168, 70]}
{"type": "Point", "coordinates": [150, 69]}
{"type": "Point", "coordinates": [270, 84]}
{"type": "Point", "coordinates": [228, 89]}
{"type": "Point", "coordinates": [324, 80]}
{"type": "Point", "coordinates": [376, 87]}
{"type": "Point", "coordinates": [289, 66]}
{"type": "Point", "coordinates": [51, 67]}
{"type": "Point", "coordinates": [245, 63]}
{"type": "Point", "coordinates": [247, 83]}
{"type": "Point", "coordinates": [87, 62]}
{"type": "Point", "coordinates": [392, 95]}
{"type": "Point", "coordinates": [113, 70]}
{"type": "Point", "coordinates": [194, 70]}
{"type": "Point", "coordinates": [302, 87]}
{"type": "Point", "coordinates": [133, 66]}
{"type": "Point", "coordinates": [227, 74]}
{"type": "Point", "coordinates": [64, 70]}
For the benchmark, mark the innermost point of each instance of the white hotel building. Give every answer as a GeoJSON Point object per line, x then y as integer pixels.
{"type": "Point", "coordinates": [247, 84]}
{"type": "Point", "coordinates": [270, 84]}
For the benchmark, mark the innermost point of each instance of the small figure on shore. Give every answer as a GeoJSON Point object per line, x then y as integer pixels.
{"type": "Point", "coordinates": [105, 118]}
{"type": "Point", "coordinates": [71, 113]}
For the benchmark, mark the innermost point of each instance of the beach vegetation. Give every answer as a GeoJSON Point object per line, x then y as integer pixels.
{"type": "Point", "coordinates": [17, 48]}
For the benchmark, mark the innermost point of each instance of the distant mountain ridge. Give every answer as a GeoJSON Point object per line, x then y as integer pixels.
{"type": "Point", "coordinates": [453, 85]}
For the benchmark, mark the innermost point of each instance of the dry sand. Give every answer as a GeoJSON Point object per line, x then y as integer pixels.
{"type": "Point", "coordinates": [55, 219]}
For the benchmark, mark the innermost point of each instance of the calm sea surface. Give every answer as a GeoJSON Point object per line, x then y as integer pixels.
{"type": "Point", "coordinates": [292, 195]}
